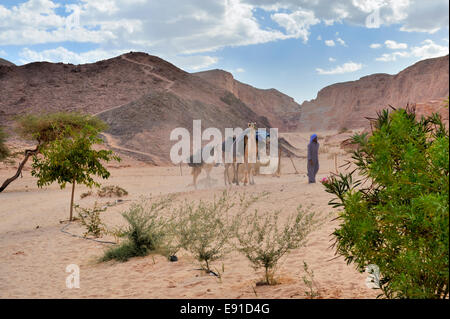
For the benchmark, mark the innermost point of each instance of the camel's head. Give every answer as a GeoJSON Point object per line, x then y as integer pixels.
{"type": "Point", "coordinates": [252, 125]}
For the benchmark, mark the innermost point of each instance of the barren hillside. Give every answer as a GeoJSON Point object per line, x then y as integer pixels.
{"type": "Point", "coordinates": [143, 98]}
{"type": "Point", "coordinates": [345, 105]}
{"type": "Point", "coordinates": [280, 109]}
{"type": "Point", "coordinates": [5, 62]}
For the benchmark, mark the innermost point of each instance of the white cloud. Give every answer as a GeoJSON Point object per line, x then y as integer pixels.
{"type": "Point", "coordinates": [427, 50]}
{"type": "Point", "coordinates": [391, 44]}
{"type": "Point", "coordinates": [174, 27]}
{"type": "Point", "coordinates": [162, 27]}
{"type": "Point", "coordinates": [297, 23]}
{"type": "Point", "coordinates": [239, 70]}
{"type": "Point", "coordinates": [344, 68]}
{"type": "Point", "coordinates": [319, 38]}
{"type": "Point", "coordinates": [330, 43]}
{"type": "Point", "coordinates": [411, 15]}
{"type": "Point", "coordinates": [3, 53]}
{"type": "Point", "coordinates": [388, 57]}
{"type": "Point", "coordinates": [61, 54]}
{"type": "Point", "coordinates": [331, 59]}
{"type": "Point", "coordinates": [341, 42]}
{"type": "Point", "coordinates": [375, 46]}
{"type": "Point", "coordinates": [193, 63]}
{"type": "Point", "coordinates": [426, 16]}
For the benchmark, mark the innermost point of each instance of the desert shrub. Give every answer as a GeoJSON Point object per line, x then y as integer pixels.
{"type": "Point", "coordinates": [110, 191]}
{"type": "Point", "coordinates": [308, 280]}
{"type": "Point", "coordinates": [86, 194]}
{"type": "Point", "coordinates": [145, 232]}
{"type": "Point", "coordinates": [398, 217]}
{"type": "Point", "coordinates": [90, 219]}
{"type": "Point", "coordinates": [207, 228]}
{"type": "Point", "coordinates": [262, 240]}
{"type": "Point", "coordinates": [122, 252]}
{"type": "Point", "coordinates": [343, 130]}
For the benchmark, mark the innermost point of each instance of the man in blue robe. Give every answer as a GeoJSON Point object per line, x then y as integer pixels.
{"type": "Point", "coordinates": [313, 158]}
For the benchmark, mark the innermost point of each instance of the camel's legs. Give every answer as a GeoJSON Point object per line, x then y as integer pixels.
{"type": "Point", "coordinates": [208, 171]}
{"type": "Point", "coordinates": [236, 173]}
{"type": "Point", "coordinates": [226, 174]}
{"type": "Point", "coordinates": [278, 173]}
{"type": "Point", "coordinates": [246, 173]}
{"type": "Point", "coordinates": [252, 174]}
{"type": "Point", "coordinates": [195, 172]}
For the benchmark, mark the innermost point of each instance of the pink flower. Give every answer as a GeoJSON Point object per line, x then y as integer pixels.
{"type": "Point", "coordinates": [324, 180]}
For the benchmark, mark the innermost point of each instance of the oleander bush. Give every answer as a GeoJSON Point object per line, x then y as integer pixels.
{"type": "Point", "coordinates": [394, 207]}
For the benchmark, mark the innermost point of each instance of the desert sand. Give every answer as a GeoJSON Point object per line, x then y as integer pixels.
{"type": "Point", "coordinates": [34, 253]}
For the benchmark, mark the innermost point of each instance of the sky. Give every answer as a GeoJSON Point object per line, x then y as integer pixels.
{"type": "Point", "coordinates": [295, 46]}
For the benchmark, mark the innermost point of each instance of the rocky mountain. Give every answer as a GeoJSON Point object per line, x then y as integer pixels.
{"type": "Point", "coordinates": [142, 97]}
{"type": "Point", "coordinates": [345, 105]}
{"type": "Point", "coordinates": [7, 63]}
{"type": "Point", "coordinates": [280, 109]}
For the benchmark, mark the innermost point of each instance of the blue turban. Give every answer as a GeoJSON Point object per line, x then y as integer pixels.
{"type": "Point", "coordinates": [312, 137]}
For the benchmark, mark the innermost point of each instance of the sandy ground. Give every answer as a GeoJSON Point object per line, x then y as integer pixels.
{"type": "Point", "coordinates": [34, 253]}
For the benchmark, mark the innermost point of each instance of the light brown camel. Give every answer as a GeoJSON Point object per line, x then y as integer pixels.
{"type": "Point", "coordinates": [250, 156]}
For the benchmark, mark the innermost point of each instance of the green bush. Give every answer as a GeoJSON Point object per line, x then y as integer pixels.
{"type": "Point", "coordinates": [206, 228]}
{"type": "Point", "coordinates": [111, 191]}
{"type": "Point", "coordinates": [308, 280]}
{"type": "Point", "coordinates": [90, 219]}
{"type": "Point", "coordinates": [397, 215]}
{"type": "Point", "coordinates": [263, 243]}
{"type": "Point", "coordinates": [146, 231]}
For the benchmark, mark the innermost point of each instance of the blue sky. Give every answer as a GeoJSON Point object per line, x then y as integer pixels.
{"type": "Point", "coordinates": [295, 46]}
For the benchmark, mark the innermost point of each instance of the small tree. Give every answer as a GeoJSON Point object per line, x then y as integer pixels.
{"type": "Point", "coordinates": [72, 160]}
{"type": "Point", "coordinates": [45, 128]}
{"type": "Point", "coordinates": [263, 243]}
{"type": "Point", "coordinates": [397, 217]}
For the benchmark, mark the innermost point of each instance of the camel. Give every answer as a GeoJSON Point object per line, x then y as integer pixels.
{"type": "Point", "coordinates": [250, 154]}
{"type": "Point", "coordinates": [250, 162]}
{"type": "Point", "coordinates": [226, 175]}
{"type": "Point", "coordinates": [198, 167]}
{"type": "Point", "coordinates": [284, 149]}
